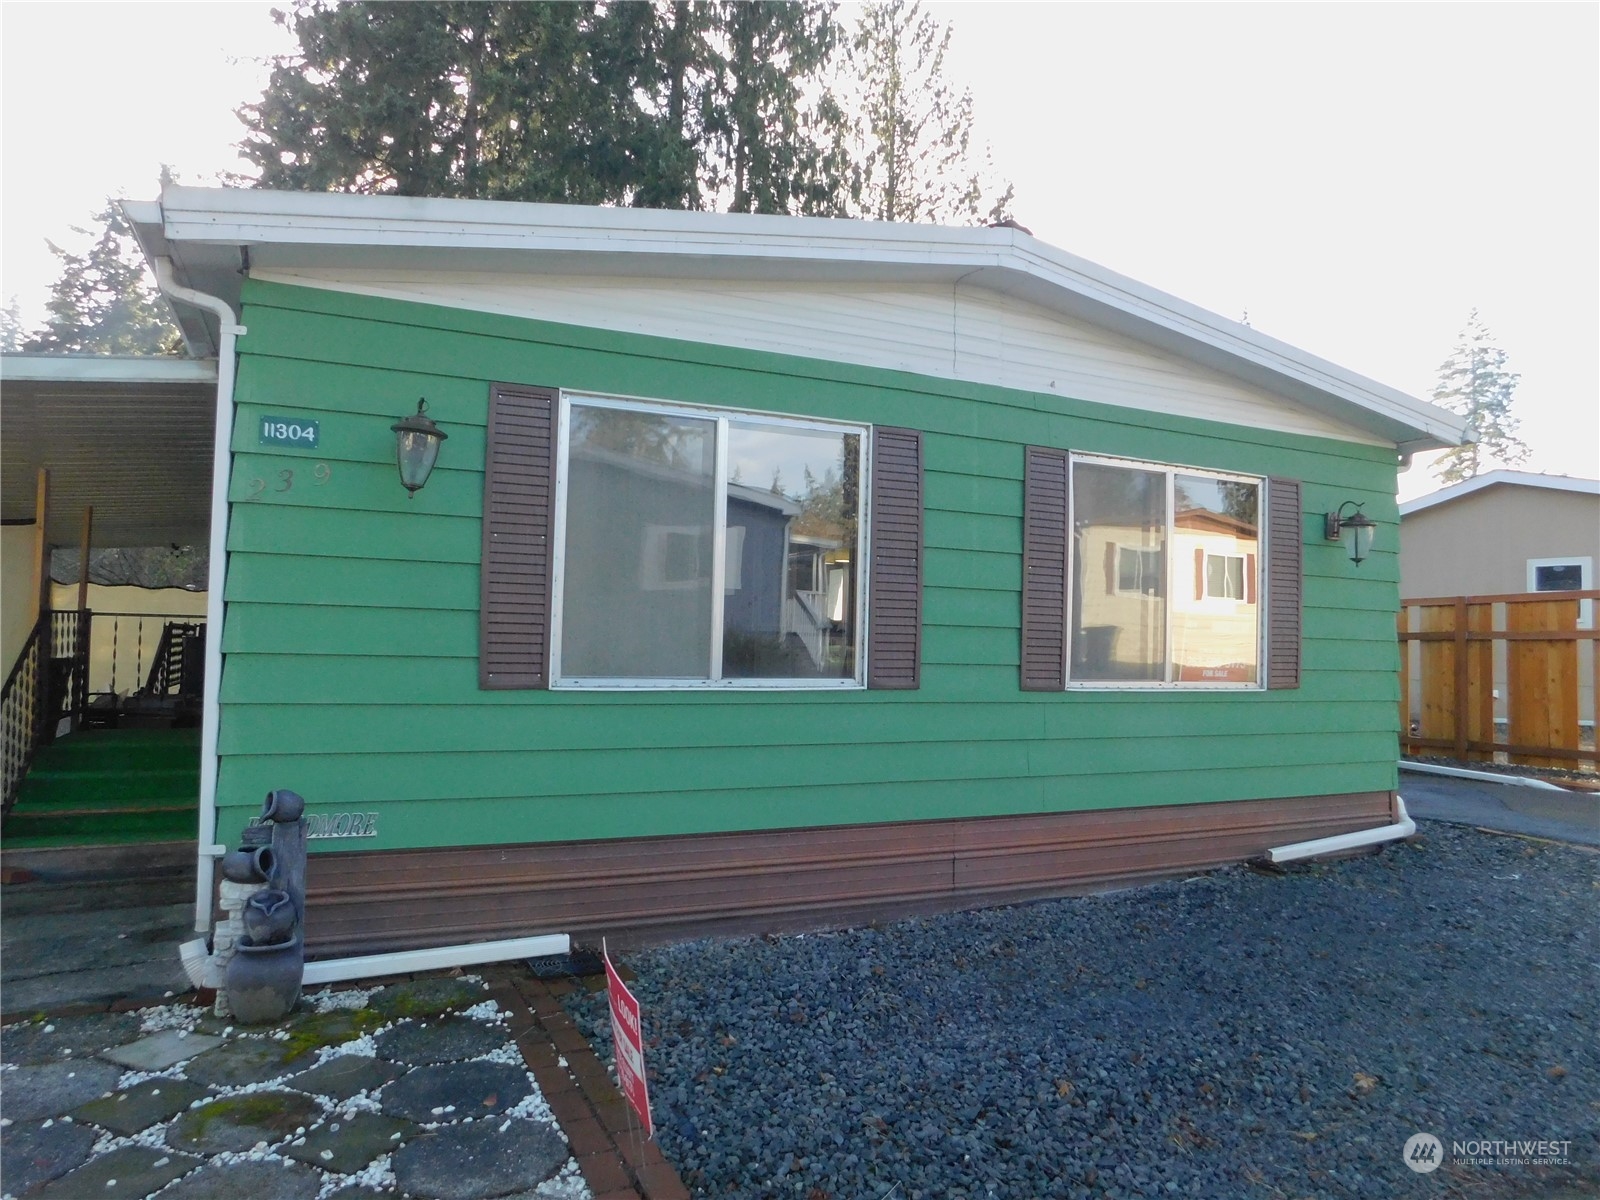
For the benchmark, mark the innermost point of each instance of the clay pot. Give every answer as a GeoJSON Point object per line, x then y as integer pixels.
{"type": "Point", "coordinates": [269, 917]}
{"type": "Point", "coordinates": [283, 805]}
{"type": "Point", "coordinates": [263, 982]}
{"type": "Point", "coordinates": [249, 864]}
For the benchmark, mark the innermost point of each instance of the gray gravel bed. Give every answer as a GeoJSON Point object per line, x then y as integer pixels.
{"type": "Point", "coordinates": [1235, 1034]}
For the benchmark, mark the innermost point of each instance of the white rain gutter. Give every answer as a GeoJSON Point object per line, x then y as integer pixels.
{"type": "Point", "coordinates": [1482, 776]}
{"type": "Point", "coordinates": [401, 962]}
{"type": "Point", "coordinates": [1403, 828]}
{"type": "Point", "coordinates": [208, 851]}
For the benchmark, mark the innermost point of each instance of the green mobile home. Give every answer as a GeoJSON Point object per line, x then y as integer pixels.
{"type": "Point", "coordinates": [773, 571]}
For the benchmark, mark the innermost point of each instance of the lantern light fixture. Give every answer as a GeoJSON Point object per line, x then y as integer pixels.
{"type": "Point", "coordinates": [416, 445]}
{"type": "Point", "coordinates": [1355, 528]}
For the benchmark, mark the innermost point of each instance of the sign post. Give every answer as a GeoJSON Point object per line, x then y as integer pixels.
{"type": "Point", "coordinates": [627, 1041]}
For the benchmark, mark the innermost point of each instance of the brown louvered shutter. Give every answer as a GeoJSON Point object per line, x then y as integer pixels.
{"type": "Point", "coordinates": [894, 601]}
{"type": "Point", "coordinates": [1044, 569]}
{"type": "Point", "coordinates": [1284, 570]}
{"type": "Point", "coordinates": [518, 515]}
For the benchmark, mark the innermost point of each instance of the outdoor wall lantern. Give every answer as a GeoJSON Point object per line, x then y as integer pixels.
{"type": "Point", "coordinates": [1356, 528]}
{"type": "Point", "coordinates": [416, 446]}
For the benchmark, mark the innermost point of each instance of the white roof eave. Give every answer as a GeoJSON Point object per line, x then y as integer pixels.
{"type": "Point", "coordinates": [208, 232]}
{"type": "Point", "coordinates": [1554, 483]}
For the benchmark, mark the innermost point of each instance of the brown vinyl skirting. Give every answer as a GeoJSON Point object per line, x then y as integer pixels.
{"type": "Point", "coordinates": [654, 889]}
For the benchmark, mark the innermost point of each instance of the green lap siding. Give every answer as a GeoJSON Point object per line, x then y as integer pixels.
{"type": "Point", "coordinates": [351, 633]}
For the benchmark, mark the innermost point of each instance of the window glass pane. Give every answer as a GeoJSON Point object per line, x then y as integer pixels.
{"type": "Point", "coordinates": [636, 597]}
{"type": "Point", "coordinates": [1119, 573]}
{"type": "Point", "coordinates": [793, 514]}
{"type": "Point", "coordinates": [1214, 610]}
{"type": "Point", "coordinates": [1565, 577]}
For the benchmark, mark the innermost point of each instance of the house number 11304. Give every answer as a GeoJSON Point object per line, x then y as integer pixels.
{"type": "Point", "coordinates": [287, 431]}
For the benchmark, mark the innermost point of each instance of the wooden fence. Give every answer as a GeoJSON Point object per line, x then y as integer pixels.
{"type": "Point", "coordinates": [1457, 652]}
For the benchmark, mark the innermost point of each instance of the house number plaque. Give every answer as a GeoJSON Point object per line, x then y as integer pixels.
{"type": "Point", "coordinates": [341, 825]}
{"type": "Point", "coordinates": [290, 431]}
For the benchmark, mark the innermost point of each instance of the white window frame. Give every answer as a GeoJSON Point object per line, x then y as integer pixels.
{"type": "Point", "coordinates": [1585, 565]}
{"type": "Point", "coordinates": [1242, 560]}
{"type": "Point", "coordinates": [723, 418]}
{"type": "Point", "coordinates": [1171, 472]}
{"type": "Point", "coordinates": [1128, 548]}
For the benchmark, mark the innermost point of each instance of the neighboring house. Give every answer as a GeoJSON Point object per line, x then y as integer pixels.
{"type": "Point", "coordinates": [1502, 533]}
{"type": "Point", "coordinates": [775, 572]}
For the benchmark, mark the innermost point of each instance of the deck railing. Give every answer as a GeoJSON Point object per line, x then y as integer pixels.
{"type": "Point", "coordinates": [1525, 662]}
{"type": "Point", "coordinates": [147, 654]}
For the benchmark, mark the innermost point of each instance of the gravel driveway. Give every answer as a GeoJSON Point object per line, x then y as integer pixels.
{"type": "Point", "coordinates": [1235, 1034]}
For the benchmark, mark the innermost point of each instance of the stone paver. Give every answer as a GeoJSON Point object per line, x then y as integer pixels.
{"type": "Point", "coordinates": [481, 1159]}
{"type": "Point", "coordinates": [422, 1065]}
{"type": "Point", "coordinates": [141, 1106]}
{"type": "Point", "coordinates": [312, 1030]}
{"type": "Point", "coordinates": [453, 1091]}
{"type": "Point", "coordinates": [347, 1144]}
{"type": "Point", "coordinates": [425, 1043]}
{"type": "Point", "coordinates": [160, 1050]}
{"type": "Point", "coordinates": [343, 1076]}
{"type": "Point", "coordinates": [31, 1154]}
{"type": "Point", "coordinates": [239, 1061]}
{"type": "Point", "coordinates": [427, 997]}
{"type": "Point", "coordinates": [267, 1180]}
{"type": "Point", "coordinates": [239, 1123]}
{"type": "Point", "coordinates": [34, 1093]}
{"type": "Point", "coordinates": [127, 1173]}
{"type": "Point", "coordinates": [32, 1043]}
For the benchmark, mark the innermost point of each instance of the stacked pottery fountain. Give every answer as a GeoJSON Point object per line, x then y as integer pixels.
{"type": "Point", "coordinates": [264, 974]}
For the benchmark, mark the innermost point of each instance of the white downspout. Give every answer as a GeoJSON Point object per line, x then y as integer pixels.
{"type": "Point", "coordinates": [221, 470]}
{"type": "Point", "coordinates": [1404, 827]}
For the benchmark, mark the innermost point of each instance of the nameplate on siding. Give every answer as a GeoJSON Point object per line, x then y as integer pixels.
{"type": "Point", "coordinates": [290, 431]}
{"type": "Point", "coordinates": [341, 825]}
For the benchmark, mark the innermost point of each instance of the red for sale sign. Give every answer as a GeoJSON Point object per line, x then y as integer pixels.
{"type": "Point", "coordinates": [627, 1040]}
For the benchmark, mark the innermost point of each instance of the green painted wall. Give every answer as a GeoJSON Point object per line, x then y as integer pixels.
{"type": "Point", "coordinates": [352, 620]}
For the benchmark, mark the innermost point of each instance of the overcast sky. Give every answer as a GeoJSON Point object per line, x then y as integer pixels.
{"type": "Point", "coordinates": [1356, 177]}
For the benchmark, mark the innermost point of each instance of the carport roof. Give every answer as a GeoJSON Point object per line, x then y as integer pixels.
{"type": "Point", "coordinates": [131, 436]}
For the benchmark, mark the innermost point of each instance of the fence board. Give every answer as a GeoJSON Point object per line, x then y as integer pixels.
{"type": "Point", "coordinates": [1542, 677]}
{"type": "Point", "coordinates": [1453, 667]}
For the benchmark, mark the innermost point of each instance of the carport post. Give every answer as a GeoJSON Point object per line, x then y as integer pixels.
{"type": "Point", "coordinates": [41, 542]}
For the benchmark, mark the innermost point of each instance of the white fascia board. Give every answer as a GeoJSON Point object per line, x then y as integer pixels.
{"type": "Point", "coordinates": [1554, 483]}
{"type": "Point", "coordinates": [106, 369]}
{"type": "Point", "coordinates": [534, 237]}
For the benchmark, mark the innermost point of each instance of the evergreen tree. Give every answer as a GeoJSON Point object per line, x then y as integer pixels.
{"type": "Point", "coordinates": [766, 149]}
{"type": "Point", "coordinates": [104, 302]}
{"type": "Point", "coordinates": [1474, 382]}
{"type": "Point", "coordinates": [666, 105]}
{"type": "Point", "coordinates": [914, 136]}
{"type": "Point", "coordinates": [12, 333]}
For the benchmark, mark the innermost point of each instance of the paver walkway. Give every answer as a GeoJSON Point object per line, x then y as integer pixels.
{"type": "Point", "coordinates": [419, 1088]}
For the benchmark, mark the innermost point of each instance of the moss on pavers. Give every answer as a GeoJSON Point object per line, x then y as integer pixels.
{"type": "Point", "coordinates": [235, 1124]}
{"type": "Point", "coordinates": [127, 1173]}
{"type": "Point", "coordinates": [239, 1061]}
{"type": "Point", "coordinates": [346, 1145]}
{"type": "Point", "coordinates": [427, 997]}
{"type": "Point", "coordinates": [141, 1106]}
{"type": "Point", "coordinates": [313, 1031]}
